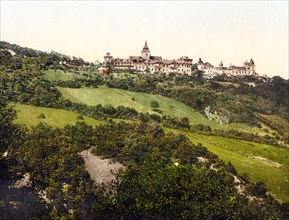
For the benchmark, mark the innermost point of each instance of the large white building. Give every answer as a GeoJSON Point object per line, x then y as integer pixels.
{"type": "Point", "coordinates": [153, 64]}
{"type": "Point", "coordinates": [210, 71]}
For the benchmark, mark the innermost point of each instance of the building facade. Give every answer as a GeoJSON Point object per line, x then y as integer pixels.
{"type": "Point", "coordinates": [210, 71]}
{"type": "Point", "coordinates": [151, 64]}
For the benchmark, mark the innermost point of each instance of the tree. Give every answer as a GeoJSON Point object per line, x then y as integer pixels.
{"type": "Point", "coordinates": [7, 115]}
{"type": "Point", "coordinates": [184, 123]}
{"type": "Point", "coordinates": [155, 104]}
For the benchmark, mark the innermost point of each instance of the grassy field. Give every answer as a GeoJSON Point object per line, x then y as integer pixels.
{"type": "Point", "coordinates": [28, 115]}
{"type": "Point", "coordinates": [256, 162]}
{"type": "Point", "coordinates": [276, 121]}
{"type": "Point", "coordinates": [142, 103]}
{"type": "Point", "coordinates": [54, 75]}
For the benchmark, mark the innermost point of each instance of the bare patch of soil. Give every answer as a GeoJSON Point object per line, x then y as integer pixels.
{"type": "Point", "coordinates": [100, 170]}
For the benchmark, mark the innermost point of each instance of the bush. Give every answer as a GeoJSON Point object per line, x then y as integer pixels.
{"type": "Point", "coordinates": [258, 189]}
{"type": "Point", "coordinates": [155, 104]}
{"type": "Point", "coordinates": [41, 116]}
{"type": "Point", "coordinates": [157, 110]}
{"type": "Point", "coordinates": [80, 117]}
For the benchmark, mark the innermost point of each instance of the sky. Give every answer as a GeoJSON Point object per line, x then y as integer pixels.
{"type": "Point", "coordinates": [227, 31]}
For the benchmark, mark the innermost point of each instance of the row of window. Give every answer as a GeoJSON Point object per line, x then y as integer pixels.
{"type": "Point", "coordinates": [233, 72]}
{"type": "Point", "coordinates": [122, 64]}
{"type": "Point", "coordinates": [129, 64]}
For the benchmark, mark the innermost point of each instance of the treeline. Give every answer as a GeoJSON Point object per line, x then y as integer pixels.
{"type": "Point", "coordinates": [121, 112]}
{"type": "Point", "coordinates": [94, 82]}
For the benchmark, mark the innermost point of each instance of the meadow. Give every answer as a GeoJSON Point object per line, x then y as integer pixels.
{"type": "Point", "coordinates": [256, 162]}
{"type": "Point", "coordinates": [29, 116]}
{"type": "Point", "coordinates": [55, 75]}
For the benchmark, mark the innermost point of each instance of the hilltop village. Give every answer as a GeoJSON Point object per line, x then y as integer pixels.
{"type": "Point", "coordinates": [146, 63]}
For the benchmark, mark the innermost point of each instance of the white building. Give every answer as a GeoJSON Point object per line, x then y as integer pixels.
{"type": "Point", "coordinates": [210, 71]}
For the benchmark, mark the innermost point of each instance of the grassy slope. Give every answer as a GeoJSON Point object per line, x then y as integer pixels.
{"type": "Point", "coordinates": [257, 162]}
{"type": "Point", "coordinates": [277, 121]}
{"type": "Point", "coordinates": [27, 115]}
{"type": "Point", "coordinates": [54, 75]}
{"type": "Point", "coordinates": [116, 97]}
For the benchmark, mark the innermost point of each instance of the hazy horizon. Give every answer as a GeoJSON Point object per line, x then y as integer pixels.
{"type": "Point", "coordinates": [228, 31]}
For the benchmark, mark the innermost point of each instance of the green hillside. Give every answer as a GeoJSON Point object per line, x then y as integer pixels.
{"type": "Point", "coordinates": [142, 103]}
{"type": "Point", "coordinates": [257, 162]}
{"type": "Point", "coordinates": [28, 115]}
{"type": "Point", "coordinates": [54, 75]}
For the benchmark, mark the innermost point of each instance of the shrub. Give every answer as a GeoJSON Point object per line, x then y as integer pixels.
{"type": "Point", "coordinates": [157, 110]}
{"type": "Point", "coordinates": [80, 117]}
{"type": "Point", "coordinates": [155, 104]}
{"type": "Point", "coordinates": [41, 116]}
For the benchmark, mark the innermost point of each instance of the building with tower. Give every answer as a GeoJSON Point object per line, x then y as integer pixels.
{"type": "Point", "coordinates": [146, 63]}
{"type": "Point", "coordinates": [146, 52]}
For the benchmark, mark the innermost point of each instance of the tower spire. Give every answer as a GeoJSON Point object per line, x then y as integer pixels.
{"type": "Point", "coordinates": [146, 46]}
{"type": "Point", "coordinates": [146, 51]}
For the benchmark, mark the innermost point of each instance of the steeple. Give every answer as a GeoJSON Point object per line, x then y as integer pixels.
{"type": "Point", "coordinates": [252, 63]}
{"type": "Point", "coordinates": [145, 47]}
{"type": "Point", "coordinates": [200, 61]}
{"type": "Point", "coordinates": [145, 51]}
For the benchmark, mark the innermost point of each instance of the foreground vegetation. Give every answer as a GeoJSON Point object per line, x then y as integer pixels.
{"type": "Point", "coordinates": [249, 159]}
{"type": "Point", "coordinates": [164, 176]}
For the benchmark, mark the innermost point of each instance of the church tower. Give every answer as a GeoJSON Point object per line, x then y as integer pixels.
{"type": "Point", "coordinates": [145, 51]}
{"type": "Point", "coordinates": [250, 67]}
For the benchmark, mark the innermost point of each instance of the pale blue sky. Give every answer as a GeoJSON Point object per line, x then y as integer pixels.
{"type": "Point", "coordinates": [231, 31]}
